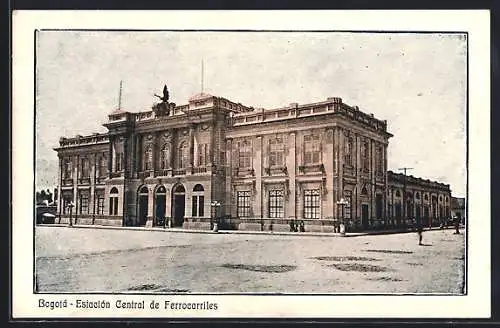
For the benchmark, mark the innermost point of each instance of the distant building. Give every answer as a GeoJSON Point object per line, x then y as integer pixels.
{"type": "Point", "coordinates": [417, 199]}
{"type": "Point", "coordinates": [458, 208]}
{"type": "Point", "coordinates": [266, 167]}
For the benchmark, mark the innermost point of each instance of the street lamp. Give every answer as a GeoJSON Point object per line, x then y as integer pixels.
{"type": "Point", "coordinates": [215, 205]}
{"type": "Point", "coordinates": [342, 202]}
{"type": "Point", "coordinates": [70, 206]}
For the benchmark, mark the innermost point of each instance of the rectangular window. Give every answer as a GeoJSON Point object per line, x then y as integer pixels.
{"type": "Point", "coordinates": [311, 149]}
{"type": "Point", "coordinates": [243, 204]}
{"type": "Point", "coordinates": [85, 168]}
{"type": "Point", "coordinates": [380, 160]}
{"type": "Point", "coordinates": [201, 205]}
{"type": "Point", "coordinates": [119, 162]}
{"type": "Point", "coordinates": [194, 206]}
{"type": "Point", "coordinates": [84, 204]}
{"type": "Point", "coordinates": [276, 204]}
{"type": "Point", "coordinates": [100, 204]}
{"type": "Point", "coordinates": [203, 154]}
{"type": "Point", "coordinates": [276, 152]}
{"type": "Point", "coordinates": [312, 204]}
{"type": "Point", "coordinates": [67, 169]}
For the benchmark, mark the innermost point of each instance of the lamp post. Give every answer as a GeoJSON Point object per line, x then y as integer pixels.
{"type": "Point", "coordinates": [215, 205]}
{"type": "Point", "coordinates": [342, 202]}
{"type": "Point", "coordinates": [70, 206]}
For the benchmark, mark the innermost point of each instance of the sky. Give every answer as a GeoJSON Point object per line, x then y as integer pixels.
{"type": "Point", "coordinates": [417, 82]}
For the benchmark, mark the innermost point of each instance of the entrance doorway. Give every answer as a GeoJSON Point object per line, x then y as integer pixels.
{"type": "Point", "coordinates": [179, 205]}
{"type": "Point", "coordinates": [364, 215]}
{"type": "Point", "coordinates": [143, 206]}
{"type": "Point", "coordinates": [161, 204]}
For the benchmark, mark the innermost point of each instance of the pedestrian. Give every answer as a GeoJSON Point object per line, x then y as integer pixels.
{"type": "Point", "coordinates": [457, 225]}
{"type": "Point", "coordinates": [420, 230]}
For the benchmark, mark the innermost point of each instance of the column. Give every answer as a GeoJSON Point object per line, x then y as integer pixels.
{"type": "Point", "coordinates": [59, 179]}
{"type": "Point", "coordinates": [154, 157]}
{"type": "Point", "coordinates": [340, 145]}
{"type": "Point", "coordinates": [229, 174]}
{"type": "Point", "coordinates": [386, 184]}
{"type": "Point", "coordinates": [75, 184]}
{"type": "Point", "coordinates": [149, 222]}
{"type": "Point", "coordinates": [328, 155]}
{"type": "Point", "coordinates": [92, 164]}
{"type": "Point", "coordinates": [138, 154]}
{"type": "Point", "coordinates": [291, 162]}
{"type": "Point", "coordinates": [372, 158]}
{"type": "Point", "coordinates": [110, 156]}
{"type": "Point", "coordinates": [358, 167]}
{"type": "Point", "coordinates": [257, 166]}
{"type": "Point", "coordinates": [191, 149]}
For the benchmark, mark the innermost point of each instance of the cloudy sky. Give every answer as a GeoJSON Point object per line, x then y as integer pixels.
{"type": "Point", "coordinates": [417, 82]}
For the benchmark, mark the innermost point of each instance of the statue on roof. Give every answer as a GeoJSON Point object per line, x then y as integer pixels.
{"type": "Point", "coordinates": [165, 94]}
{"type": "Point", "coordinates": [162, 108]}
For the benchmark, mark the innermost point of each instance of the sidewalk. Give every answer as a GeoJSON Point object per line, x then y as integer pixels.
{"type": "Point", "coordinates": [280, 233]}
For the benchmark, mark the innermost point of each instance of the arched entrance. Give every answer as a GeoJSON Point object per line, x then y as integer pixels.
{"type": "Point", "coordinates": [143, 206]}
{"type": "Point", "coordinates": [178, 205]}
{"type": "Point", "coordinates": [161, 204]}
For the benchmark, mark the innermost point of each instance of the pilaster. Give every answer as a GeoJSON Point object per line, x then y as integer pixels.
{"type": "Point", "coordinates": [291, 161]}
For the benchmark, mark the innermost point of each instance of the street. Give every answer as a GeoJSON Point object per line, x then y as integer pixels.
{"type": "Point", "coordinates": [115, 260]}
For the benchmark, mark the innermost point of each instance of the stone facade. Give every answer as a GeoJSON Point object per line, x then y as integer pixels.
{"type": "Point", "coordinates": [265, 167]}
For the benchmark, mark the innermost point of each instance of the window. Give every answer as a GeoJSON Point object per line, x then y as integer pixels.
{"type": "Point", "coordinates": [198, 205]}
{"type": "Point", "coordinates": [276, 204]}
{"type": "Point", "coordinates": [276, 152]}
{"type": "Point", "coordinates": [100, 203]}
{"type": "Point", "coordinates": [364, 191]}
{"type": "Point", "coordinates": [148, 158]}
{"type": "Point", "coordinates": [365, 161]}
{"type": "Point", "coordinates": [203, 154]}
{"type": "Point", "coordinates": [311, 149]}
{"type": "Point", "coordinates": [164, 157]}
{"type": "Point", "coordinates": [85, 167]}
{"type": "Point", "coordinates": [244, 154]}
{"type": "Point", "coordinates": [102, 167]}
{"type": "Point", "coordinates": [417, 195]}
{"type": "Point", "coordinates": [380, 159]}
{"type": "Point", "coordinates": [398, 193]}
{"type": "Point", "coordinates": [311, 204]}
{"type": "Point", "coordinates": [348, 151]}
{"type": "Point", "coordinates": [347, 206]}
{"type": "Point", "coordinates": [243, 204]}
{"type": "Point", "coordinates": [84, 203]}
{"type": "Point", "coordinates": [68, 169]}
{"type": "Point", "coordinates": [426, 197]}
{"type": "Point", "coordinates": [182, 155]}
{"type": "Point", "coordinates": [119, 162]}
{"type": "Point", "coordinates": [113, 201]}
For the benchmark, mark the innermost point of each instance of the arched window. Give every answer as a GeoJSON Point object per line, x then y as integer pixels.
{"type": "Point", "coordinates": [148, 158]}
{"type": "Point", "coordinates": [244, 154]}
{"type": "Point", "coordinates": [144, 190]}
{"type": "Point", "coordinates": [426, 197]}
{"type": "Point", "coordinates": [417, 195]}
{"type": "Point", "coordinates": [161, 190]}
{"type": "Point", "coordinates": [113, 201]}
{"type": "Point", "coordinates": [276, 152]}
{"type": "Point", "coordinates": [398, 194]}
{"type": "Point", "coordinates": [164, 157]}
{"type": "Point", "coordinates": [182, 155]}
{"type": "Point", "coordinates": [311, 149]}
{"type": "Point", "coordinates": [179, 189]}
{"type": "Point", "coordinates": [198, 205]}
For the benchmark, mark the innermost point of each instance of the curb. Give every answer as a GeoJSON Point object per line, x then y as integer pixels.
{"type": "Point", "coordinates": [243, 232]}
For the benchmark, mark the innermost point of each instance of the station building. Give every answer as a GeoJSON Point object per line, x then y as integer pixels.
{"type": "Point", "coordinates": [249, 168]}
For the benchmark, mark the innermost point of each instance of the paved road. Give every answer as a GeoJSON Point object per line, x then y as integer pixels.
{"type": "Point", "coordinates": [103, 260]}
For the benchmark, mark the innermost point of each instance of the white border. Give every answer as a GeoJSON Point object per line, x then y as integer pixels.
{"type": "Point", "coordinates": [476, 22]}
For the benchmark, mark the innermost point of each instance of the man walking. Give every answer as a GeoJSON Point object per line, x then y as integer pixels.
{"type": "Point", "coordinates": [420, 230]}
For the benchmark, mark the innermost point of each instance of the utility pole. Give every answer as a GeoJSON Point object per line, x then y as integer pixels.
{"type": "Point", "coordinates": [404, 169]}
